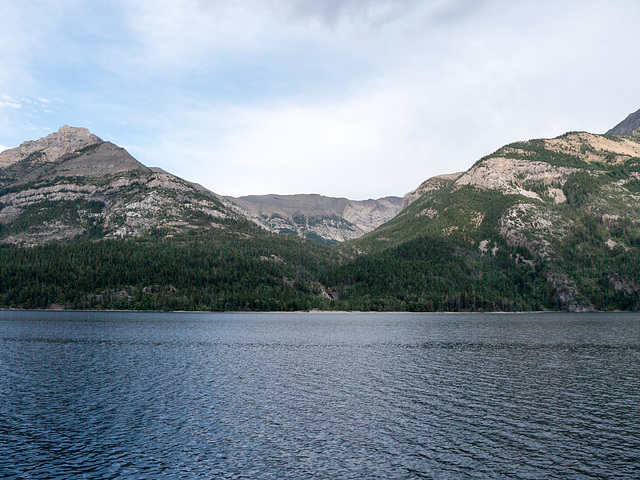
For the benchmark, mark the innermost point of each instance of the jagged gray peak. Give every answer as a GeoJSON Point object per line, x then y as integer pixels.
{"type": "Point", "coordinates": [66, 140]}
{"type": "Point", "coordinates": [72, 183]}
{"type": "Point", "coordinates": [628, 126]}
{"type": "Point", "coordinates": [332, 219]}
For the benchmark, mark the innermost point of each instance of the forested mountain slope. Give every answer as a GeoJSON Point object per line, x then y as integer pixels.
{"type": "Point", "coordinates": [538, 224]}
{"type": "Point", "coordinates": [85, 225]}
{"type": "Point", "coordinates": [541, 224]}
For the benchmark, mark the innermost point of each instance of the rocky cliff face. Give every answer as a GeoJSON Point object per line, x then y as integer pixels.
{"type": "Point", "coordinates": [324, 219]}
{"type": "Point", "coordinates": [71, 183]}
{"type": "Point", "coordinates": [540, 168]}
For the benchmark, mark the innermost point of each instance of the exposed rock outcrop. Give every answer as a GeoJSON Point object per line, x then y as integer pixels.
{"type": "Point", "coordinates": [629, 126]}
{"type": "Point", "coordinates": [326, 219]}
{"type": "Point", "coordinates": [72, 183]}
{"type": "Point", "coordinates": [565, 211]}
{"type": "Point", "coordinates": [66, 140]}
{"type": "Point", "coordinates": [511, 176]}
{"type": "Point", "coordinates": [431, 185]}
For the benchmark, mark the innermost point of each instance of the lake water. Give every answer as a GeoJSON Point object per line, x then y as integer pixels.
{"type": "Point", "coordinates": [286, 396]}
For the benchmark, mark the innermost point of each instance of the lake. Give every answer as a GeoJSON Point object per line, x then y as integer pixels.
{"type": "Point", "coordinates": [314, 395]}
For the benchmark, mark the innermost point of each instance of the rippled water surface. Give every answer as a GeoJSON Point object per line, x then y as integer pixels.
{"type": "Point", "coordinates": [138, 395]}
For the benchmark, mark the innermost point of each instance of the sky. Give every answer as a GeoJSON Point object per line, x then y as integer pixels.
{"type": "Point", "coordinates": [345, 98]}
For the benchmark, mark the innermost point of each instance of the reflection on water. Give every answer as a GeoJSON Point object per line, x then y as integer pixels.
{"type": "Point", "coordinates": [138, 395]}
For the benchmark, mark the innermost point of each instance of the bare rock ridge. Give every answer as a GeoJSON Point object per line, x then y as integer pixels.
{"type": "Point", "coordinates": [516, 171]}
{"type": "Point", "coordinates": [66, 140]}
{"type": "Point", "coordinates": [72, 183]}
{"type": "Point", "coordinates": [101, 187]}
{"type": "Point", "coordinates": [521, 169]}
{"type": "Point", "coordinates": [68, 152]}
{"type": "Point", "coordinates": [318, 217]}
{"type": "Point", "coordinates": [628, 126]}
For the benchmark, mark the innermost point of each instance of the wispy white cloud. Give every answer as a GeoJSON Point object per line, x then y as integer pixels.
{"type": "Point", "coordinates": [344, 97]}
{"type": "Point", "coordinates": [7, 101]}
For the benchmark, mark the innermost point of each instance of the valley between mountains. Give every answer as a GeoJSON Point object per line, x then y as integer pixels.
{"type": "Point", "coordinates": [545, 224]}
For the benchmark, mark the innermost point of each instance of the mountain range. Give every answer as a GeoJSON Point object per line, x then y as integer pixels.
{"type": "Point", "coordinates": [102, 185]}
{"type": "Point", "coordinates": [538, 224]}
{"type": "Point", "coordinates": [324, 219]}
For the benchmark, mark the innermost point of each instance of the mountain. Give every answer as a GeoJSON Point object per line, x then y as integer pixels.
{"type": "Point", "coordinates": [84, 225]}
{"type": "Point", "coordinates": [324, 219]}
{"type": "Point", "coordinates": [329, 220]}
{"type": "Point", "coordinates": [67, 140]}
{"type": "Point", "coordinates": [539, 224]}
{"type": "Point", "coordinates": [629, 126]}
{"type": "Point", "coordinates": [104, 190]}
{"type": "Point", "coordinates": [71, 183]}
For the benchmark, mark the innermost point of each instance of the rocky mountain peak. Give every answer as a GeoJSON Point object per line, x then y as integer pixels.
{"type": "Point", "coordinates": [324, 219]}
{"type": "Point", "coordinates": [66, 140]}
{"type": "Point", "coordinates": [69, 130]}
{"type": "Point", "coordinates": [629, 126]}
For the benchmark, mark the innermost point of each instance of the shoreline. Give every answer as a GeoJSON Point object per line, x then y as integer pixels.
{"type": "Point", "coordinates": [311, 312]}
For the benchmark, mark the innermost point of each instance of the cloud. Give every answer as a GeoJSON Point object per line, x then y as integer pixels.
{"type": "Point", "coordinates": [376, 143]}
{"type": "Point", "coordinates": [196, 34]}
{"type": "Point", "coordinates": [317, 148]}
{"type": "Point", "coordinates": [349, 98]}
{"type": "Point", "coordinates": [8, 102]}
{"type": "Point", "coordinates": [350, 13]}
{"type": "Point", "coordinates": [374, 97]}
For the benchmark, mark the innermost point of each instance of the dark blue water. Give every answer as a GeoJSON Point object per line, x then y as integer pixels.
{"type": "Point", "coordinates": [277, 396]}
